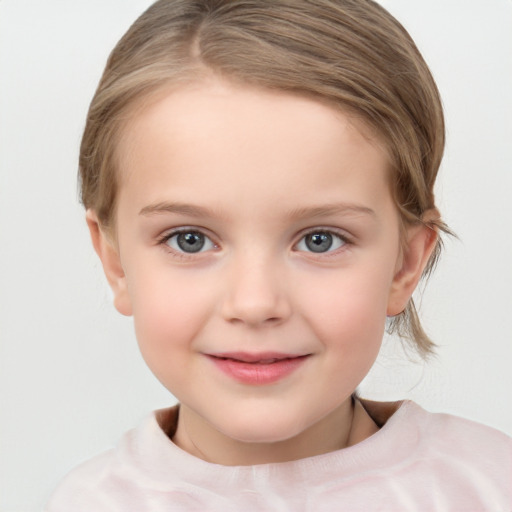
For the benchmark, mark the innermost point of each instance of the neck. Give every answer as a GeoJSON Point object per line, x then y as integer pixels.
{"type": "Point", "coordinates": [345, 426]}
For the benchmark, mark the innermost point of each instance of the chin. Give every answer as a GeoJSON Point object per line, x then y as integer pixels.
{"type": "Point", "coordinates": [263, 430]}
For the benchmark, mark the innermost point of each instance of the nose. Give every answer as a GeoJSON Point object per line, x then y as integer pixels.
{"type": "Point", "coordinates": [256, 294]}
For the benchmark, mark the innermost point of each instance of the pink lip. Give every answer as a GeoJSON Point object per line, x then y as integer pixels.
{"type": "Point", "coordinates": [261, 368]}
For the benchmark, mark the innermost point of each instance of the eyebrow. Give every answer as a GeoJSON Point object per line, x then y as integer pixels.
{"type": "Point", "coordinates": [179, 208]}
{"type": "Point", "coordinates": [331, 209]}
{"type": "Point", "coordinates": [297, 213]}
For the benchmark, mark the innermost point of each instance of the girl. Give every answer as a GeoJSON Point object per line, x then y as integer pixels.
{"type": "Point", "coordinates": [258, 178]}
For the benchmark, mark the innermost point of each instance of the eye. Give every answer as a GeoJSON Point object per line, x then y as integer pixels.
{"type": "Point", "coordinates": [320, 242]}
{"type": "Point", "coordinates": [189, 241]}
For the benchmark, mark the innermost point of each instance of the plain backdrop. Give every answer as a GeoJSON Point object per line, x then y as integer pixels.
{"type": "Point", "coordinates": [71, 378]}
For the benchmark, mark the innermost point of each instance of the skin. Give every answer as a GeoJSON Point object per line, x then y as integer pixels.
{"type": "Point", "coordinates": [256, 171]}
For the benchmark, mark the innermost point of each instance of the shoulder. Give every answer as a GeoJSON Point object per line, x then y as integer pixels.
{"type": "Point", "coordinates": [441, 460]}
{"type": "Point", "coordinates": [79, 489]}
{"type": "Point", "coordinates": [112, 481]}
{"type": "Point", "coordinates": [440, 436]}
{"type": "Point", "coordinates": [460, 457]}
{"type": "Point", "coordinates": [450, 434]}
{"type": "Point", "coordinates": [446, 431]}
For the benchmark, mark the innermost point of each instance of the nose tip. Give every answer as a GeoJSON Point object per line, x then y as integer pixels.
{"type": "Point", "coordinates": [255, 316]}
{"type": "Point", "coordinates": [256, 297]}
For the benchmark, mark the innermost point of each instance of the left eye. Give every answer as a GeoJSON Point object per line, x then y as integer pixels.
{"type": "Point", "coordinates": [189, 242]}
{"type": "Point", "coordinates": [320, 241]}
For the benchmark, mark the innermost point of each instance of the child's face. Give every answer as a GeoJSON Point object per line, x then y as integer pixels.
{"type": "Point", "coordinates": [255, 226]}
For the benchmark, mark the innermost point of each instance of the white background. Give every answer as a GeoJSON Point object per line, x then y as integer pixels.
{"type": "Point", "coordinates": [71, 378]}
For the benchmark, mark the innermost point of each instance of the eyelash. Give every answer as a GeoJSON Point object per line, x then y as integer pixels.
{"type": "Point", "coordinates": [164, 239]}
{"type": "Point", "coordinates": [345, 239]}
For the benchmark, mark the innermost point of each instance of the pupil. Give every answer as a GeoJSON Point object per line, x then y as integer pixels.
{"type": "Point", "coordinates": [190, 242]}
{"type": "Point", "coordinates": [319, 242]}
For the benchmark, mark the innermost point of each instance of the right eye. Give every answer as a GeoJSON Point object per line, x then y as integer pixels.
{"type": "Point", "coordinates": [189, 241]}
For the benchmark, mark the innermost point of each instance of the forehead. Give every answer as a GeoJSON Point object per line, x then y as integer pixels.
{"type": "Point", "coordinates": [200, 98]}
{"type": "Point", "coordinates": [235, 141]}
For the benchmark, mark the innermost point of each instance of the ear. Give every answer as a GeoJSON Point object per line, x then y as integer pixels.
{"type": "Point", "coordinates": [109, 255]}
{"type": "Point", "coordinates": [420, 242]}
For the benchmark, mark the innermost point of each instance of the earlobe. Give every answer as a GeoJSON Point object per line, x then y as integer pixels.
{"type": "Point", "coordinates": [109, 255]}
{"type": "Point", "coordinates": [421, 242]}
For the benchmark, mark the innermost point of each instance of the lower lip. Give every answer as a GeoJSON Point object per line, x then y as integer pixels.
{"type": "Point", "coordinates": [258, 373]}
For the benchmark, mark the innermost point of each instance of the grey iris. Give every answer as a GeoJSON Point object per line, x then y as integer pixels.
{"type": "Point", "coordinates": [190, 242]}
{"type": "Point", "coordinates": [318, 242]}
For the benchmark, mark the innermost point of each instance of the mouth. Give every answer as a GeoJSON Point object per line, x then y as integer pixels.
{"type": "Point", "coordinates": [258, 368]}
{"type": "Point", "coordinates": [257, 358]}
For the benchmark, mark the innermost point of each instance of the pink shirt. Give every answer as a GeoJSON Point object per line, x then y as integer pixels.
{"type": "Point", "coordinates": [418, 461]}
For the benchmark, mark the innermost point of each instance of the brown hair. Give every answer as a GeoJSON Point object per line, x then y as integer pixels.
{"type": "Point", "coordinates": [350, 53]}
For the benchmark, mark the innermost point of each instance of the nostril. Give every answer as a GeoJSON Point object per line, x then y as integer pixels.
{"type": "Point", "coordinates": [254, 299]}
{"type": "Point", "coordinates": [255, 321]}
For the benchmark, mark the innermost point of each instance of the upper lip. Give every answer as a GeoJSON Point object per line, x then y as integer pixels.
{"type": "Point", "coordinates": [257, 357]}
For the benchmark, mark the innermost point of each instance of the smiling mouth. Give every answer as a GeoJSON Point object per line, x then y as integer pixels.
{"type": "Point", "coordinates": [265, 358]}
{"type": "Point", "coordinates": [258, 369]}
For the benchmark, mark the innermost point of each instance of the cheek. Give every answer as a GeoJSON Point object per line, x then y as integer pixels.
{"type": "Point", "coordinates": [349, 312]}
{"type": "Point", "coordinates": [168, 311]}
